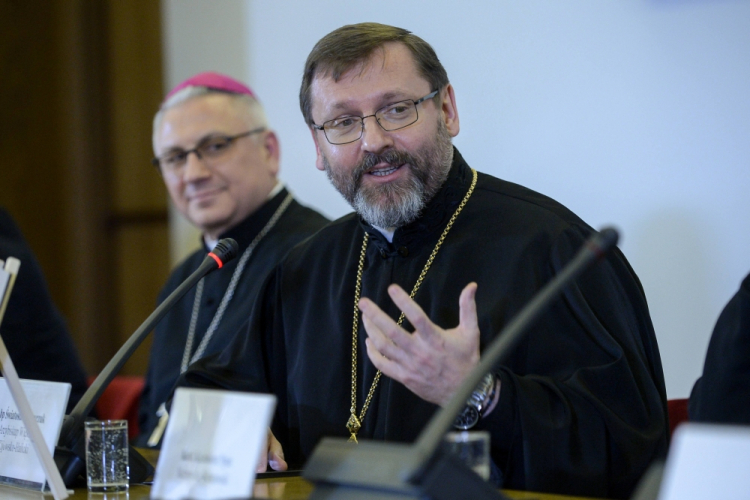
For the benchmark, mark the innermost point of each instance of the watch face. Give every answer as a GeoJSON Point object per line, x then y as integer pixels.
{"type": "Point", "coordinates": [467, 419]}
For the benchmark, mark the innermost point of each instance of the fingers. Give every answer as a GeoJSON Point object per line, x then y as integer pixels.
{"type": "Point", "coordinates": [388, 338]}
{"type": "Point", "coordinates": [391, 332]}
{"type": "Point", "coordinates": [276, 454]}
{"type": "Point", "coordinates": [468, 308]}
{"type": "Point", "coordinates": [271, 454]}
{"type": "Point", "coordinates": [382, 363]}
{"type": "Point", "coordinates": [416, 316]}
{"type": "Point", "coordinates": [432, 361]}
{"type": "Point", "coordinates": [263, 458]}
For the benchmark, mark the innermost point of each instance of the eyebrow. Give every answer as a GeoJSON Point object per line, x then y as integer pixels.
{"type": "Point", "coordinates": [385, 99]}
{"type": "Point", "coordinates": [210, 135]}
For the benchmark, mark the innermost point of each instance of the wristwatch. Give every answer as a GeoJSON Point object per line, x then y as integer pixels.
{"type": "Point", "coordinates": [477, 404]}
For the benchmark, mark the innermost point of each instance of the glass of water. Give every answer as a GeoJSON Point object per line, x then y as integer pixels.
{"type": "Point", "coordinates": [107, 467]}
{"type": "Point", "coordinates": [472, 448]}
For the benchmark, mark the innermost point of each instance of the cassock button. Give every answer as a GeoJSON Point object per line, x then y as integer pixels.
{"type": "Point", "coordinates": [403, 251]}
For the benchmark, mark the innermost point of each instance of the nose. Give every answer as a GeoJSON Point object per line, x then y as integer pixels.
{"type": "Point", "coordinates": [195, 168]}
{"type": "Point", "coordinates": [374, 138]}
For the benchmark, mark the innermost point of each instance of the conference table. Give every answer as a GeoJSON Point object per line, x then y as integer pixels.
{"type": "Point", "coordinates": [279, 488]}
{"type": "Point", "coordinates": [274, 486]}
{"type": "Point", "coordinates": [283, 488]}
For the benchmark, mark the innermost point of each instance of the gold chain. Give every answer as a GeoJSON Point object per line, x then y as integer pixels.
{"type": "Point", "coordinates": [354, 423]}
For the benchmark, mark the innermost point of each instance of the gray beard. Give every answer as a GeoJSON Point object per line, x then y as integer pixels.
{"type": "Point", "coordinates": [400, 202]}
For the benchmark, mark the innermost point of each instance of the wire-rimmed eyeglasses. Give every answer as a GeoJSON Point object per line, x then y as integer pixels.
{"type": "Point", "coordinates": [210, 148]}
{"type": "Point", "coordinates": [391, 117]}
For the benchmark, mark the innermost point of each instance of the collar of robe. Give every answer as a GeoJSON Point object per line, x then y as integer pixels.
{"type": "Point", "coordinates": [246, 231]}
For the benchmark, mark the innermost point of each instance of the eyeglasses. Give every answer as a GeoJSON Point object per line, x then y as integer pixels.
{"type": "Point", "coordinates": [392, 117]}
{"type": "Point", "coordinates": [209, 148]}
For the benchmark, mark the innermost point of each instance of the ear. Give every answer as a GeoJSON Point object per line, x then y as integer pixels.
{"type": "Point", "coordinates": [449, 110]}
{"type": "Point", "coordinates": [318, 155]}
{"type": "Point", "coordinates": [272, 150]}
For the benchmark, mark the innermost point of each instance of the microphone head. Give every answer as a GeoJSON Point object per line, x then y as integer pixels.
{"type": "Point", "coordinates": [226, 250]}
{"type": "Point", "coordinates": [603, 241]}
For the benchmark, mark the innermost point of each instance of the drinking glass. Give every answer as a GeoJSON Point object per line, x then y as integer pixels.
{"type": "Point", "coordinates": [107, 468]}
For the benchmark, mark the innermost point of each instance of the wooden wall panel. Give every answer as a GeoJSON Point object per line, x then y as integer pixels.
{"type": "Point", "coordinates": [138, 284]}
{"type": "Point", "coordinates": [30, 140]}
{"type": "Point", "coordinates": [139, 200]}
{"type": "Point", "coordinates": [135, 57]}
{"type": "Point", "coordinates": [81, 80]}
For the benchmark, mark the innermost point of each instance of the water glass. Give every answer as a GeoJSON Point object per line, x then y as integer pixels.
{"type": "Point", "coordinates": [107, 468]}
{"type": "Point", "coordinates": [472, 448]}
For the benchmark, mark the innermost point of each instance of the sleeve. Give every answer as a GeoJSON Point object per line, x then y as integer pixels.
{"type": "Point", "coordinates": [34, 330]}
{"type": "Point", "coordinates": [149, 404]}
{"type": "Point", "coordinates": [255, 361]}
{"type": "Point", "coordinates": [242, 365]}
{"type": "Point", "coordinates": [721, 394]}
{"type": "Point", "coordinates": [582, 400]}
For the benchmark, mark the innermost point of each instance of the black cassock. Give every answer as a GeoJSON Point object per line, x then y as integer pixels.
{"type": "Point", "coordinates": [582, 408]}
{"type": "Point", "coordinates": [170, 335]}
{"type": "Point", "coordinates": [722, 394]}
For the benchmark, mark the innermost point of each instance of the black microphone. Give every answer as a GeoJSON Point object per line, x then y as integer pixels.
{"type": "Point", "coordinates": [70, 449]}
{"type": "Point", "coordinates": [500, 348]}
{"type": "Point", "coordinates": [424, 469]}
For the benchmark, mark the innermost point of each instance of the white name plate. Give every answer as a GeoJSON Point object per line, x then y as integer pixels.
{"type": "Point", "coordinates": [19, 464]}
{"type": "Point", "coordinates": [707, 461]}
{"type": "Point", "coordinates": [212, 444]}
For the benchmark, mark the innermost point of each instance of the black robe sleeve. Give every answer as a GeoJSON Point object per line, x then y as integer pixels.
{"type": "Point", "coordinates": [582, 401]}
{"type": "Point", "coordinates": [33, 330]}
{"type": "Point", "coordinates": [722, 394]}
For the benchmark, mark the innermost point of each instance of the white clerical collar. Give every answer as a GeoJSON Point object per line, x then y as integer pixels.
{"type": "Point", "coordinates": [387, 232]}
{"type": "Point", "coordinates": [211, 243]}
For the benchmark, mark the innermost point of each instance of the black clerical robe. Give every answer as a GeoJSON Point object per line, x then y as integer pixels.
{"type": "Point", "coordinates": [33, 329]}
{"type": "Point", "coordinates": [297, 223]}
{"type": "Point", "coordinates": [722, 394]}
{"type": "Point", "coordinates": [582, 408]}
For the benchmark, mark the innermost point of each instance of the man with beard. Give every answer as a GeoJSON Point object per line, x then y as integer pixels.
{"type": "Point", "coordinates": [437, 259]}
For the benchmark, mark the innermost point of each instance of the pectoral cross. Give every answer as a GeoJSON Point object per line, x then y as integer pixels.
{"type": "Point", "coordinates": [353, 426]}
{"type": "Point", "coordinates": [155, 437]}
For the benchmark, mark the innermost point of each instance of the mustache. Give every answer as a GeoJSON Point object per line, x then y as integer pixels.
{"type": "Point", "coordinates": [391, 157]}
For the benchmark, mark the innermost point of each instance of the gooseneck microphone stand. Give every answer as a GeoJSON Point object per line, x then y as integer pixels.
{"type": "Point", "coordinates": [70, 454]}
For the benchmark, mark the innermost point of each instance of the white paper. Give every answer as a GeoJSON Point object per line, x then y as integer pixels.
{"type": "Point", "coordinates": [707, 461]}
{"type": "Point", "coordinates": [19, 464]}
{"type": "Point", "coordinates": [212, 444]}
{"type": "Point", "coordinates": [4, 277]}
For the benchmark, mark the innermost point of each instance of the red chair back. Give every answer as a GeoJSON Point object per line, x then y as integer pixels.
{"type": "Point", "coordinates": [120, 401]}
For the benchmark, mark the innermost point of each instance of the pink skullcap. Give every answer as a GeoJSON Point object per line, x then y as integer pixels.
{"type": "Point", "coordinates": [215, 81]}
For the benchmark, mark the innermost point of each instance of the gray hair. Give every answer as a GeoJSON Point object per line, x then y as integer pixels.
{"type": "Point", "coordinates": [248, 104]}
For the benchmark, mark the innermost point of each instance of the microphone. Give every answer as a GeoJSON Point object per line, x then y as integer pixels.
{"type": "Point", "coordinates": [500, 348]}
{"type": "Point", "coordinates": [70, 449]}
{"type": "Point", "coordinates": [424, 470]}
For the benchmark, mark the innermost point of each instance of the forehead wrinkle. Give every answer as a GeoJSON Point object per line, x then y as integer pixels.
{"type": "Point", "coordinates": [341, 69]}
{"type": "Point", "coordinates": [208, 115]}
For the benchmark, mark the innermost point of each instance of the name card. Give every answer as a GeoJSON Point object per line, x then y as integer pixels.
{"type": "Point", "coordinates": [707, 461]}
{"type": "Point", "coordinates": [212, 444]}
{"type": "Point", "coordinates": [19, 464]}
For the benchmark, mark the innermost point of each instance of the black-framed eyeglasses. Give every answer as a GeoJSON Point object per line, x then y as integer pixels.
{"type": "Point", "coordinates": [209, 148]}
{"type": "Point", "coordinates": [391, 117]}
